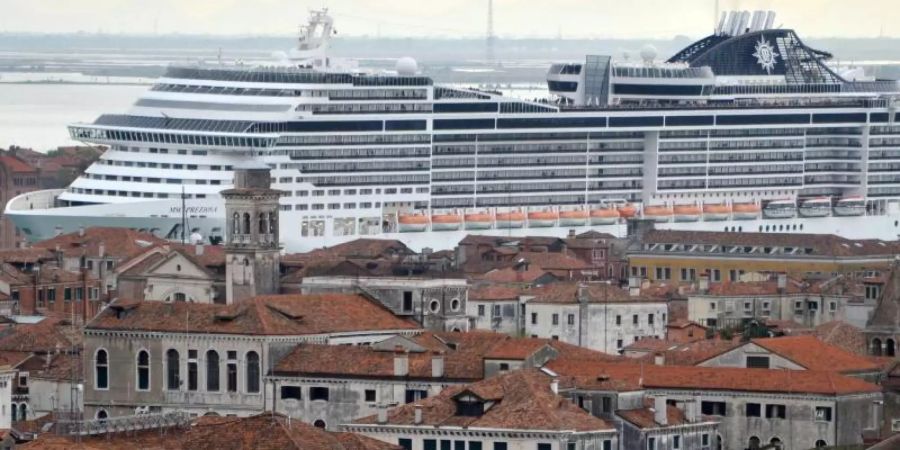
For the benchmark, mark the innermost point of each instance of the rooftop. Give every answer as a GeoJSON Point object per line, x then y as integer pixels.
{"type": "Point", "coordinates": [813, 354]}
{"type": "Point", "coordinates": [573, 292]}
{"type": "Point", "coordinates": [122, 243]}
{"type": "Point", "coordinates": [266, 315]}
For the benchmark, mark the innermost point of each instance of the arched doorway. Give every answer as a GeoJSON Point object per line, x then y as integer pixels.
{"type": "Point", "coordinates": [821, 444]}
{"type": "Point", "coordinates": [889, 347]}
{"type": "Point", "coordinates": [753, 444]}
{"type": "Point", "coordinates": [876, 347]}
{"type": "Point", "coordinates": [775, 443]}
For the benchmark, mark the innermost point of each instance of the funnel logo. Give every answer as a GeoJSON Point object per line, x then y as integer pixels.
{"type": "Point", "coordinates": [765, 55]}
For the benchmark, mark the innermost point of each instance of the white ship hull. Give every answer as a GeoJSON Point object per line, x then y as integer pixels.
{"type": "Point", "coordinates": [164, 218]}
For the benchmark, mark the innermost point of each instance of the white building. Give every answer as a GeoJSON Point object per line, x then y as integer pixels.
{"type": "Point", "coordinates": [597, 316]}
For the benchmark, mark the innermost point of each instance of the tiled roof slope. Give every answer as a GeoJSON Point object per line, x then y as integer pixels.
{"type": "Point", "coordinates": [46, 336]}
{"type": "Point", "coordinates": [523, 400]}
{"type": "Point", "coordinates": [630, 377]}
{"type": "Point", "coordinates": [843, 335]}
{"type": "Point", "coordinates": [813, 354]}
{"type": "Point", "coordinates": [117, 242]}
{"type": "Point", "coordinates": [820, 244]}
{"type": "Point", "coordinates": [645, 418]}
{"type": "Point", "coordinates": [265, 315]}
{"type": "Point", "coordinates": [568, 292]}
{"type": "Point", "coordinates": [886, 317]}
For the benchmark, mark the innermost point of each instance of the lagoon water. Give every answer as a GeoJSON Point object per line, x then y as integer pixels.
{"type": "Point", "coordinates": [35, 115]}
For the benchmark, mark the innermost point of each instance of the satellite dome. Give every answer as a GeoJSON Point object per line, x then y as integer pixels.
{"type": "Point", "coordinates": [648, 53]}
{"type": "Point", "coordinates": [407, 66]}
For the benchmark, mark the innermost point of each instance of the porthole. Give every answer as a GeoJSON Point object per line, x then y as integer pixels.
{"type": "Point", "coordinates": [434, 306]}
{"type": "Point", "coordinates": [455, 304]}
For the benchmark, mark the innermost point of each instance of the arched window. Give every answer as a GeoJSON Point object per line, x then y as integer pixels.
{"type": "Point", "coordinates": [263, 225]}
{"type": "Point", "coordinates": [319, 424]}
{"type": "Point", "coordinates": [23, 412]}
{"type": "Point", "coordinates": [889, 347]}
{"type": "Point", "coordinates": [180, 297]}
{"type": "Point", "coordinates": [273, 218]}
{"type": "Point", "coordinates": [876, 347]}
{"type": "Point", "coordinates": [172, 370]}
{"type": "Point", "coordinates": [13, 410]}
{"type": "Point", "coordinates": [212, 370]}
{"type": "Point", "coordinates": [775, 443]}
{"type": "Point", "coordinates": [754, 443]}
{"type": "Point", "coordinates": [143, 370]}
{"type": "Point", "coordinates": [821, 443]}
{"type": "Point", "coordinates": [236, 224]}
{"type": "Point", "coordinates": [102, 414]}
{"type": "Point", "coordinates": [252, 372]}
{"type": "Point", "coordinates": [101, 370]}
{"type": "Point", "coordinates": [246, 228]}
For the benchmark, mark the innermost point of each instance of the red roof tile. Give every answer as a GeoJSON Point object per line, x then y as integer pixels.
{"type": "Point", "coordinates": [568, 292]}
{"type": "Point", "coordinates": [120, 243]}
{"type": "Point", "coordinates": [813, 354]}
{"type": "Point", "coordinates": [265, 315]}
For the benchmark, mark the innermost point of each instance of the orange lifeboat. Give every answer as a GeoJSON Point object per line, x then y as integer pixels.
{"type": "Point", "coordinates": [716, 212]}
{"type": "Point", "coordinates": [445, 222]}
{"type": "Point", "coordinates": [687, 213]}
{"type": "Point", "coordinates": [479, 221]}
{"type": "Point", "coordinates": [542, 219]}
{"type": "Point", "coordinates": [573, 218]}
{"type": "Point", "coordinates": [746, 211]}
{"type": "Point", "coordinates": [604, 216]}
{"type": "Point", "coordinates": [627, 211]}
{"type": "Point", "coordinates": [412, 222]}
{"type": "Point", "coordinates": [658, 213]}
{"type": "Point", "coordinates": [512, 219]}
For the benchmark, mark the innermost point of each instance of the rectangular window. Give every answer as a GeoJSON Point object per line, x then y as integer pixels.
{"type": "Point", "coordinates": [676, 442]}
{"type": "Point", "coordinates": [757, 362]}
{"type": "Point", "coordinates": [446, 444]}
{"type": "Point", "coordinates": [192, 370]}
{"type": "Point", "coordinates": [496, 311]}
{"type": "Point", "coordinates": [67, 294]}
{"type": "Point", "coordinates": [618, 320]}
{"type": "Point", "coordinates": [556, 319]}
{"type": "Point", "coordinates": [231, 372]}
{"type": "Point", "coordinates": [651, 443]}
{"type": "Point", "coordinates": [704, 440]}
{"type": "Point", "coordinates": [499, 445]}
{"type": "Point", "coordinates": [459, 445]}
{"type": "Point", "coordinates": [606, 404]}
{"type": "Point", "coordinates": [480, 310]}
{"type": "Point", "coordinates": [429, 444]}
{"type": "Point", "coordinates": [534, 318]}
{"type": "Point", "coordinates": [619, 344]}
{"type": "Point", "coordinates": [823, 414]}
{"type": "Point", "coordinates": [571, 319]}
{"type": "Point", "coordinates": [405, 443]}
{"type": "Point", "coordinates": [607, 445]}
{"type": "Point", "coordinates": [543, 446]}
{"type": "Point", "coordinates": [754, 410]}
{"type": "Point", "coordinates": [634, 319]}
{"type": "Point", "coordinates": [407, 301]}
{"type": "Point", "coordinates": [713, 408]}
{"type": "Point", "coordinates": [318, 393]}
{"type": "Point", "coordinates": [370, 395]}
{"type": "Point", "coordinates": [292, 392]}
{"type": "Point", "coordinates": [475, 445]}
{"type": "Point", "coordinates": [776, 411]}
{"type": "Point", "coordinates": [650, 319]}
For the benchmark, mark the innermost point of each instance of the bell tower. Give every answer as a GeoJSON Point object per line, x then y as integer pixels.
{"type": "Point", "coordinates": [252, 251]}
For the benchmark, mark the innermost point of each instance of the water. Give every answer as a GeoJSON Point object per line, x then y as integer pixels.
{"type": "Point", "coordinates": [35, 115]}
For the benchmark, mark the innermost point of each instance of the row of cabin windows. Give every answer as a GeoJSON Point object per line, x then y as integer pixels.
{"type": "Point", "coordinates": [769, 411]}
{"type": "Point", "coordinates": [570, 319]}
{"type": "Point", "coordinates": [447, 444]}
{"type": "Point", "coordinates": [173, 379]}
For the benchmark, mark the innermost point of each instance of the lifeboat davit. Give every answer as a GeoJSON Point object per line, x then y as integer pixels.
{"type": "Point", "coordinates": [850, 206]}
{"type": "Point", "coordinates": [573, 218]}
{"type": "Point", "coordinates": [658, 213]}
{"type": "Point", "coordinates": [512, 219]}
{"type": "Point", "coordinates": [445, 222]}
{"type": "Point", "coordinates": [479, 221]}
{"type": "Point", "coordinates": [816, 207]}
{"type": "Point", "coordinates": [746, 211]}
{"type": "Point", "coordinates": [687, 213]}
{"type": "Point", "coordinates": [412, 222]}
{"type": "Point", "coordinates": [627, 211]}
{"type": "Point", "coordinates": [716, 212]}
{"type": "Point", "coordinates": [604, 216]}
{"type": "Point", "coordinates": [542, 219]}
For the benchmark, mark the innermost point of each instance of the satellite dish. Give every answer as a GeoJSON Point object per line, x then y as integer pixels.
{"type": "Point", "coordinates": [648, 53]}
{"type": "Point", "coordinates": [407, 66]}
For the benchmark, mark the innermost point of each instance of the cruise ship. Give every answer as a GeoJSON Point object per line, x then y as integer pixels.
{"type": "Point", "coordinates": [747, 129]}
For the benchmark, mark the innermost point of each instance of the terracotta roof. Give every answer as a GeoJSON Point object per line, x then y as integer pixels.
{"type": "Point", "coordinates": [495, 292]}
{"type": "Point", "coordinates": [266, 315]}
{"type": "Point", "coordinates": [568, 292]}
{"type": "Point", "coordinates": [651, 344]}
{"type": "Point", "coordinates": [630, 377]}
{"type": "Point", "coordinates": [521, 400]}
{"type": "Point", "coordinates": [552, 260]}
{"type": "Point", "coordinates": [684, 323]}
{"type": "Point", "coordinates": [361, 362]}
{"type": "Point", "coordinates": [25, 255]}
{"type": "Point", "coordinates": [693, 353]}
{"type": "Point", "coordinates": [122, 243]}
{"type": "Point", "coordinates": [46, 336]}
{"type": "Point", "coordinates": [14, 164]}
{"type": "Point", "coordinates": [843, 335]}
{"type": "Point", "coordinates": [645, 418]}
{"type": "Point", "coordinates": [369, 248]}
{"type": "Point", "coordinates": [516, 349]}
{"type": "Point", "coordinates": [819, 244]}
{"type": "Point", "coordinates": [813, 354]}
{"type": "Point", "coordinates": [513, 275]}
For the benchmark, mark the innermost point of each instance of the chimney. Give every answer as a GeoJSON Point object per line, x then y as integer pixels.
{"type": "Point", "coordinates": [101, 250]}
{"type": "Point", "coordinates": [554, 385]}
{"type": "Point", "coordinates": [571, 233]}
{"type": "Point", "coordinates": [692, 411]}
{"type": "Point", "coordinates": [81, 231]}
{"type": "Point", "coordinates": [198, 249]}
{"type": "Point", "coordinates": [418, 417]}
{"type": "Point", "coordinates": [437, 364]}
{"type": "Point", "coordinates": [382, 413]}
{"type": "Point", "coordinates": [782, 282]}
{"type": "Point", "coordinates": [634, 286]}
{"type": "Point", "coordinates": [401, 362]}
{"type": "Point", "coordinates": [583, 293]}
{"type": "Point", "coordinates": [659, 359]}
{"type": "Point", "coordinates": [659, 410]}
{"type": "Point", "coordinates": [703, 284]}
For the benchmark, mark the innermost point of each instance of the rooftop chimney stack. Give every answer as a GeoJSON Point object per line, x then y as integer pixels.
{"type": "Point", "coordinates": [703, 283]}
{"type": "Point", "coordinates": [782, 283]}
{"type": "Point", "coordinates": [554, 385]}
{"type": "Point", "coordinates": [401, 362]}
{"type": "Point", "coordinates": [437, 365]}
{"type": "Point", "coordinates": [659, 410]}
{"type": "Point", "coordinates": [198, 249]}
{"type": "Point", "coordinates": [418, 417]}
{"type": "Point", "coordinates": [634, 286]}
{"type": "Point", "coordinates": [382, 413]}
{"type": "Point", "coordinates": [659, 359]}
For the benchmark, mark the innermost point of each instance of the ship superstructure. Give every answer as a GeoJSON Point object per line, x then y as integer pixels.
{"type": "Point", "coordinates": [746, 129]}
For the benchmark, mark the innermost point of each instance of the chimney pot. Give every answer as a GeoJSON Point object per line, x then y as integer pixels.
{"type": "Point", "coordinates": [198, 249]}
{"type": "Point", "coordinates": [659, 410]}
{"type": "Point", "coordinates": [382, 413]}
{"type": "Point", "coordinates": [659, 359]}
{"type": "Point", "coordinates": [437, 365]}
{"type": "Point", "coordinates": [554, 385]}
{"type": "Point", "coordinates": [703, 284]}
{"type": "Point", "coordinates": [418, 417]}
{"type": "Point", "coordinates": [401, 363]}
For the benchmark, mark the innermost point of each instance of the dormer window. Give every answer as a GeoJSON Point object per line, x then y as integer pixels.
{"type": "Point", "coordinates": [469, 405]}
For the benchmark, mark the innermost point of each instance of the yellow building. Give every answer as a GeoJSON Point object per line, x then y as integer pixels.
{"type": "Point", "coordinates": [661, 255]}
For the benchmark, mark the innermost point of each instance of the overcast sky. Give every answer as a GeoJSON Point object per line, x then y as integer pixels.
{"type": "Point", "coordinates": [512, 18]}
